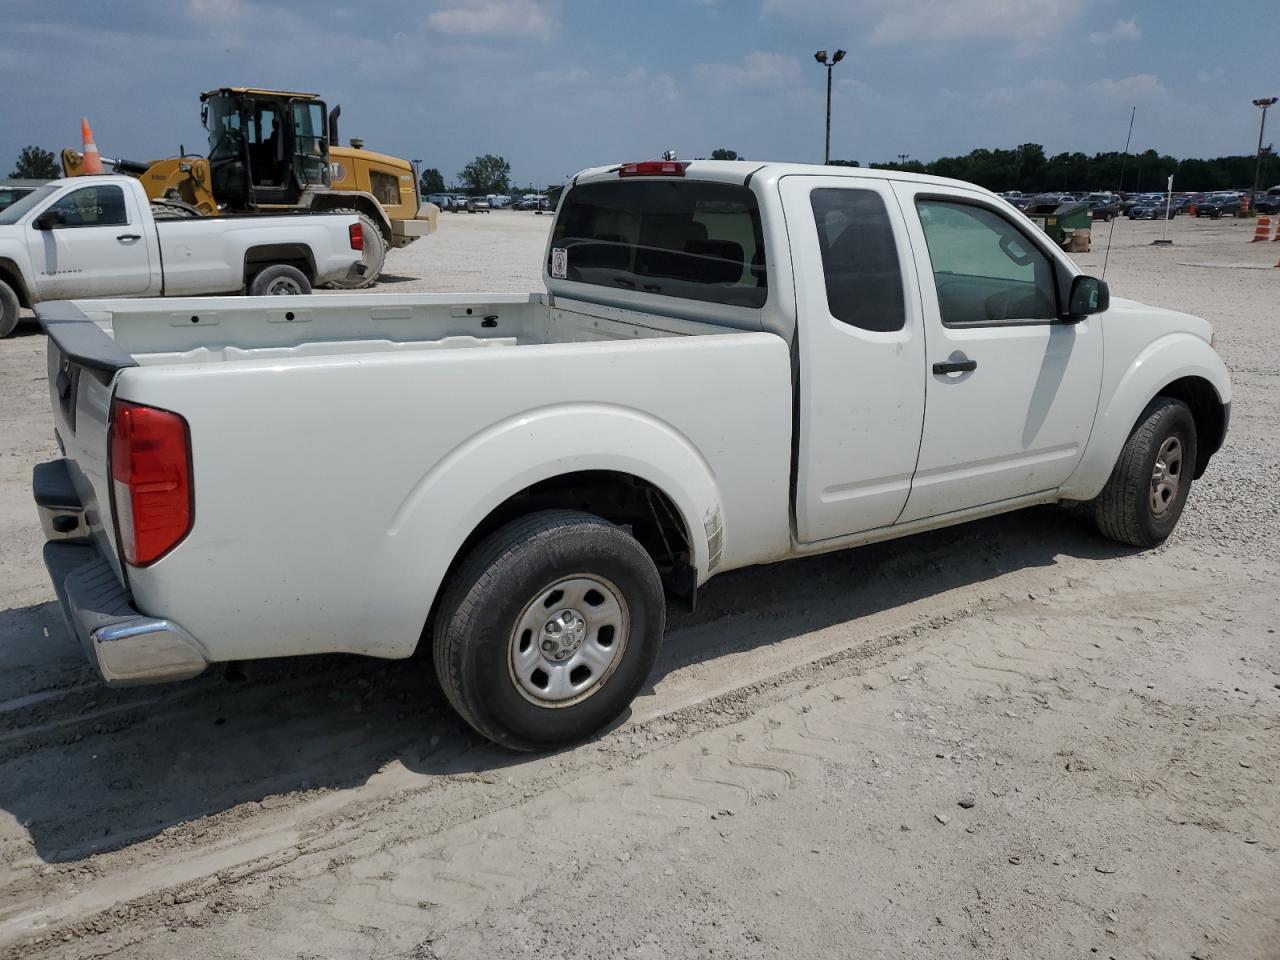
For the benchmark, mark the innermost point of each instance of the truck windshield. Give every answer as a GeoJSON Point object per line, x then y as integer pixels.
{"type": "Point", "coordinates": [15, 212]}
{"type": "Point", "coordinates": [676, 238]}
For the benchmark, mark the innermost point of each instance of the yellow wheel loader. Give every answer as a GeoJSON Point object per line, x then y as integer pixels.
{"type": "Point", "coordinates": [276, 150]}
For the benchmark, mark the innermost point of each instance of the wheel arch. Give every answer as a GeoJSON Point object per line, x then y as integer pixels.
{"type": "Point", "coordinates": [11, 274]}
{"type": "Point", "coordinates": [270, 254]}
{"type": "Point", "coordinates": [1182, 366]}
{"type": "Point", "coordinates": [365, 203]}
{"type": "Point", "coordinates": [640, 472]}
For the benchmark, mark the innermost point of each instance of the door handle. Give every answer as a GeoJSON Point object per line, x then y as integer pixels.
{"type": "Point", "coordinates": [955, 366]}
{"type": "Point", "coordinates": [129, 237]}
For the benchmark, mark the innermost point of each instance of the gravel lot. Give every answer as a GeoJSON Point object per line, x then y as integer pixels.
{"type": "Point", "coordinates": [1007, 739]}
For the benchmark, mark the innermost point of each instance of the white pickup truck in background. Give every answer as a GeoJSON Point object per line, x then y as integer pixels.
{"type": "Point", "coordinates": [734, 363]}
{"type": "Point", "coordinates": [97, 237]}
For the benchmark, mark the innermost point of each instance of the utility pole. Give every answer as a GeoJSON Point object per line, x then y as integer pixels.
{"type": "Point", "coordinates": [829, 63]}
{"type": "Point", "coordinates": [1264, 103]}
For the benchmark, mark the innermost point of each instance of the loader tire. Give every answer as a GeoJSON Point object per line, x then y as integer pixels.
{"type": "Point", "coordinates": [375, 253]}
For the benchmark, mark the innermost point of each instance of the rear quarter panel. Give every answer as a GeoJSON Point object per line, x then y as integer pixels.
{"type": "Point", "coordinates": [332, 493]}
{"type": "Point", "coordinates": [207, 255]}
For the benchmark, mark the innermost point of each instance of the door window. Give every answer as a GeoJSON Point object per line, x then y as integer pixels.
{"type": "Point", "coordinates": [859, 258]}
{"type": "Point", "coordinates": [98, 206]}
{"type": "Point", "coordinates": [985, 269]}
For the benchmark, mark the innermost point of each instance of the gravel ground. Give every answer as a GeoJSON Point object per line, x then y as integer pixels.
{"type": "Point", "coordinates": [1007, 739]}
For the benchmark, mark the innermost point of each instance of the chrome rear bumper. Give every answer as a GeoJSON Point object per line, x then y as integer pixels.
{"type": "Point", "coordinates": [126, 646]}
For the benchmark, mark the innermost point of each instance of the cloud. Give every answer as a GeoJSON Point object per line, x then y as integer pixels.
{"type": "Point", "coordinates": [661, 87]}
{"type": "Point", "coordinates": [1216, 75]}
{"type": "Point", "coordinates": [509, 18]}
{"type": "Point", "coordinates": [757, 71]}
{"type": "Point", "coordinates": [915, 21]}
{"type": "Point", "coordinates": [1142, 86]}
{"type": "Point", "coordinates": [1121, 30]}
{"type": "Point", "coordinates": [1035, 90]}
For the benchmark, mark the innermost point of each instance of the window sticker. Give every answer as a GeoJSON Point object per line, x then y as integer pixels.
{"type": "Point", "coordinates": [560, 263]}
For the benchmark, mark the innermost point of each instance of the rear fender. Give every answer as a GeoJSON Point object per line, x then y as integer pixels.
{"type": "Point", "coordinates": [430, 526]}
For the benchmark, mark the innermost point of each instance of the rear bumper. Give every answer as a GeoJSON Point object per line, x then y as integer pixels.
{"type": "Point", "coordinates": [126, 646]}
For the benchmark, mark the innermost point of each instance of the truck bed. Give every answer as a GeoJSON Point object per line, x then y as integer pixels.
{"type": "Point", "coordinates": [207, 330]}
{"type": "Point", "coordinates": [343, 447]}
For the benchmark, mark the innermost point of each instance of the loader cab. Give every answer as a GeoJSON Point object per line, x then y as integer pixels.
{"type": "Point", "coordinates": [266, 147]}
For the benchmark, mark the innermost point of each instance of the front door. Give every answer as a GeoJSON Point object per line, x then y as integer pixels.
{"type": "Point", "coordinates": [861, 353]}
{"type": "Point", "coordinates": [99, 249]}
{"type": "Point", "coordinates": [1011, 389]}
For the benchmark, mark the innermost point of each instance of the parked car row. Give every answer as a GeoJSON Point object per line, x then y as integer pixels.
{"type": "Point", "coordinates": [459, 203]}
{"type": "Point", "coordinates": [1152, 206]}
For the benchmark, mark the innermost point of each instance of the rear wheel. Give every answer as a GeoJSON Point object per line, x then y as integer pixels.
{"type": "Point", "coordinates": [9, 308]}
{"type": "Point", "coordinates": [1148, 488]}
{"type": "Point", "coordinates": [549, 628]}
{"type": "Point", "coordinates": [373, 257]}
{"type": "Point", "coordinates": [280, 280]}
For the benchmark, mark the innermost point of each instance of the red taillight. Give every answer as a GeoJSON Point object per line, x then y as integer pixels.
{"type": "Point", "coordinates": [151, 474]}
{"type": "Point", "coordinates": [653, 168]}
{"type": "Point", "coordinates": [356, 232]}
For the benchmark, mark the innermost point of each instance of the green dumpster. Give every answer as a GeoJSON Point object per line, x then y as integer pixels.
{"type": "Point", "coordinates": [1061, 220]}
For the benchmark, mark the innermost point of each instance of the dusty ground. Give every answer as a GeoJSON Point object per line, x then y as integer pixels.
{"type": "Point", "coordinates": [1009, 739]}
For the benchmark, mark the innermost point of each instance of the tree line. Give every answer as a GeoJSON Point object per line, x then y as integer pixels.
{"type": "Point", "coordinates": [1027, 168]}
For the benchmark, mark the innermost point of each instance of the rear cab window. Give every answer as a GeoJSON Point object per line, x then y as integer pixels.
{"type": "Point", "coordinates": [698, 240]}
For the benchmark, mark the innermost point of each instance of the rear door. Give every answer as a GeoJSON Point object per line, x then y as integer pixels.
{"type": "Point", "coordinates": [99, 249]}
{"type": "Point", "coordinates": [861, 351]}
{"type": "Point", "coordinates": [1011, 389]}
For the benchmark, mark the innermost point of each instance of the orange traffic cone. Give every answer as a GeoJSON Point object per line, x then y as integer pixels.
{"type": "Point", "coordinates": [92, 159]}
{"type": "Point", "coordinates": [1262, 231]}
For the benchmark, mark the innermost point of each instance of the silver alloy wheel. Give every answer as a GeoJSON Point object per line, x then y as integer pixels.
{"type": "Point", "coordinates": [1166, 478]}
{"type": "Point", "coordinates": [284, 287]}
{"type": "Point", "coordinates": [568, 640]}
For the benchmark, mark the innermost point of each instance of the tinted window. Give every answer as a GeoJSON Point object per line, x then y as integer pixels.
{"type": "Point", "coordinates": [859, 259]}
{"type": "Point", "coordinates": [676, 238]}
{"type": "Point", "coordinates": [984, 268]}
{"type": "Point", "coordinates": [98, 206]}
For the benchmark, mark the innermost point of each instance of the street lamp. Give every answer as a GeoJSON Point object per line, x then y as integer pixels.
{"type": "Point", "coordinates": [821, 57]}
{"type": "Point", "coordinates": [1264, 103]}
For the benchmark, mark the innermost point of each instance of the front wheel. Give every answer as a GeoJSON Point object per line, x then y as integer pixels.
{"type": "Point", "coordinates": [548, 630]}
{"type": "Point", "coordinates": [1148, 487]}
{"type": "Point", "coordinates": [9, 309]}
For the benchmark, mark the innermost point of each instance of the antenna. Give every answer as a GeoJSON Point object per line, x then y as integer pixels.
{"type": "Point", "coordinates": [1123, 163]}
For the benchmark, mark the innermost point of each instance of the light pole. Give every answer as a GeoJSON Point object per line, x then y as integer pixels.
{"type": "Point", "coordinates": [1264, 103]}
{"type": "Point", "coordinates": [821, 57]}
{"type": "Point", "coordinates": [903, 158]}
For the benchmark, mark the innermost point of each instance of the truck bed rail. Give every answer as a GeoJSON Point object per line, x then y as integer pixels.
{"type": "Point", "coordinates": [80, 339]}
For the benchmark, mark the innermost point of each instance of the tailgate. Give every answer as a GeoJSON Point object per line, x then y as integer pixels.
{"type": "Point", "coordinates": [83, 361]}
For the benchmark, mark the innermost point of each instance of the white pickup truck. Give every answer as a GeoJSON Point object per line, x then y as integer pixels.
{"type": "Point", "coordinates": [97, 237]}
{"type": "Point", "coordinates": [734, 363]}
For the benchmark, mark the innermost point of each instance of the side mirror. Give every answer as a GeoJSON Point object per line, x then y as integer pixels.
{"type": "Point", "coordinates": [1089, 295]}
{"type": "Point", "coordinates": [49, 220]}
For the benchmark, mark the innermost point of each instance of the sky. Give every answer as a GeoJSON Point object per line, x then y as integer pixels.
{"type": "Point", "coordinates": [558, 85]}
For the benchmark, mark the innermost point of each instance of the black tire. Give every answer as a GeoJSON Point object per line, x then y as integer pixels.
{"type": "Point", "coordinates": [1125, 511]}
{"type": "Point", "coordinates": [9, 310]}
{"type": "Point", "coordinates": [277, 280]}
{"type": "Point", "coordinates": [499, 583]}
{"type": "Point", "coordinates": [374, 257]}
